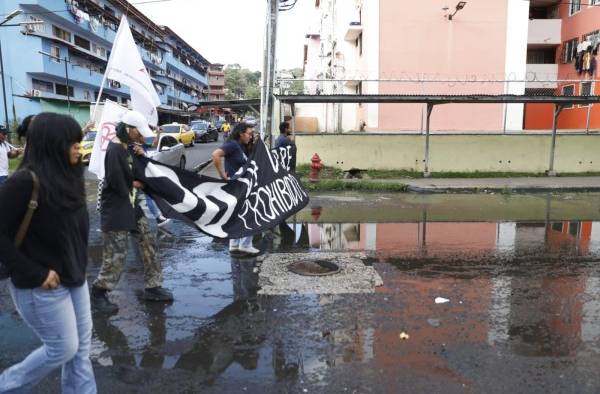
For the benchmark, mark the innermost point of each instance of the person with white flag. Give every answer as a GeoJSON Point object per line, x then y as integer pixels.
{"type": "Point", "coordinates": [121, 213]}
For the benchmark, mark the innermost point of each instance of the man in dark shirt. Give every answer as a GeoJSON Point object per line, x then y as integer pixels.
{"type": "Point", "coordinates": [120, 213]}
{"type": "Point", "coordinates": [234, 153]}
{"type": "Point", "coordinates": [285, 139]}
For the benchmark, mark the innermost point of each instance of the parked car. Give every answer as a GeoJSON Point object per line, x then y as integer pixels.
{"type": "Point", "coordinates": [250, 120]}
{"type": "Point", "coordinates": [86, 146]}
{"type": "Point", "coordinates": [167, 151]}
{"type": "Point", "coordinates": [204, 131]}
{"type": "Point", "coordinates": [182, 133]}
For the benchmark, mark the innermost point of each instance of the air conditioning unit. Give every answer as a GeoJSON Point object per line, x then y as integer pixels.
{"type": "Point", "coordinates": [36, 93]}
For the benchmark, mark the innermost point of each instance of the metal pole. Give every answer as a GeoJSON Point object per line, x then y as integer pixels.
{"type": "Point", "coordinates": [3, 88]}
{"type": "Point", "coordinates": [589, 113]}
{"type": "Point", "coordinates": [426, 173]}
{"type": "Point", "coordinates": [557, 109]}
{"type": "Point", "coordinates": [293, 122]}
{"type": "Point", "coordinates": [270, 77]}
{"type": "Point", "coordinates": [67, 79]}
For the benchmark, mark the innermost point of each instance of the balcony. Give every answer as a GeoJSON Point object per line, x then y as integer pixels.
{"type": "Point", "coordinates": [544, 32]}
{"type": "Point", "coordinates": [353, 31]}
{"type": "Point", "coordinates": [541, 72]}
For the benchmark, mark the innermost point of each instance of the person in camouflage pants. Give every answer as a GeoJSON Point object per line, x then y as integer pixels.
{"type": "Point", "coordinates": [121, 214]}
{"type": "Point", "coordinates": [114, 255]}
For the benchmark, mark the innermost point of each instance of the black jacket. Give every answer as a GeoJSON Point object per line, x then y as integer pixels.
{"type": "Point", "coordinates": [56, 239]}
{"type": "Point", "coordinates": [117, 212]}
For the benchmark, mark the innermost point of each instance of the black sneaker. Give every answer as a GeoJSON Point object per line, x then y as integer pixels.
{"type": "Point", "coordinates": [157, 294]}
{"type": "Point", "coordinates": [101, 303]}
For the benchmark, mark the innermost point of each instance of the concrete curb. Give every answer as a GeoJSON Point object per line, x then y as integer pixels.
{"type": "Point", "coordinates": [528, 189]}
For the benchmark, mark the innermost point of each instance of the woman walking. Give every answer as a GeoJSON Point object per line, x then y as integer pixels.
{"type": "Point", "coordinates": [47, 271]}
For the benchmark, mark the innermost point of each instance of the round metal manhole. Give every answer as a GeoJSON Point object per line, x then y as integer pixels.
{"type": "Point", "coordinates": [314, 268]}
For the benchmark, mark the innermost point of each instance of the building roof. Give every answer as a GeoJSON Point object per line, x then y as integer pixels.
{"type": "Point", "coordinates": [167, 30]}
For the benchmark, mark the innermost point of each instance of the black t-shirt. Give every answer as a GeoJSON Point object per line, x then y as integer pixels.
{"type": "Point", "coordinates": [56, 239]}
{"type": "Point", "coordinates": [235, 157]}
{"type": "Point", "coordinates": [117, 212]}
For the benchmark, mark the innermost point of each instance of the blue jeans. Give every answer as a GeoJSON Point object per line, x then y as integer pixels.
{"type": "Point", "coordinates": [3, 179]}
{"type": "Point", "coordinates": [62, 319]}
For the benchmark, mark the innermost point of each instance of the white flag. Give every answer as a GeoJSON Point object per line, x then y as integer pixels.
{"type": "Point", "coordinates": [126, 66]}
{"type": "Point", "coordinates": [111, 116]}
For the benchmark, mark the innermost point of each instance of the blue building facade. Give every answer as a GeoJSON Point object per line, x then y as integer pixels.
{"type": "Point", "coordinates": [73, 38]}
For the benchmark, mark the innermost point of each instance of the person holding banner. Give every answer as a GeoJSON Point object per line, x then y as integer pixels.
{"type": "Point", "coordinates": [120, 214]}
{"type": "Point", "coordinates": [228, 159]}
{"type": "Point", "coordinates": [7, 151]}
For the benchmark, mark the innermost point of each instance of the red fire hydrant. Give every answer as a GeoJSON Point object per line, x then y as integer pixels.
{"type": "Point", "coordinates": [315, 168]}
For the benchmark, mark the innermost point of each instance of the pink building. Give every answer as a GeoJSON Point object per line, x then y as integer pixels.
{"type": "Point", "coordinates": [363, 44]}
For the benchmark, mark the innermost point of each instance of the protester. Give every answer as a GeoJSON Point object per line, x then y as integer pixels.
{"type": "Point", "coordinates": [47, 272]}
{"type": "Point", "coordinates": [285, 139]}
{"type": "Point", "coordinates": [120, 213]}
{"type": "Point", "coordinates": [226, 127]}
{"type": "Point", "coordinates": [22, 129]}
{"type": "Point", "coordinates": [7, 151]}
{"type": "Point", "coordinates": [234, 153]}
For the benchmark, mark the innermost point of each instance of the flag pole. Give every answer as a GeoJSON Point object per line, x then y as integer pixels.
{"type": "Point", "coordinates": [99, 96]}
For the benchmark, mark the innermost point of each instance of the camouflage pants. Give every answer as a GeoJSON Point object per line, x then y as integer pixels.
{"type": "Point", "coordinates": [114, 255]}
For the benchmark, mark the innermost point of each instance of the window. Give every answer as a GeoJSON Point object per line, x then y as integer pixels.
{"type": "Point", "coordinates": [87, 95]}
{"type": "Point", "coordinates": [99, 51]}
{"type": "Point", "coordinates": [568, 90]}
{"type": "Point", "coordinates": [594, 2]}
{"type": "Point", "coordinates": [62, 90]}
{"type": "Point", "coordinates": [42, 86]}
{"type": "Point", "coordinates": [587, 89]}
{"type": "Point", "coordinates": [359, 43]}
{"type": "Point", "coordinates": [570, 50]}
{"type": "Point", "coordinates": [574, 7]}
{"type": "Point", "coordinates": [38, 27]}
{"type": "Point", "coordinates": [82, 43]}
{"type": "Point", "coordinates": [61, 34]}
{"type": "Point", "coordinates": [55, 52]}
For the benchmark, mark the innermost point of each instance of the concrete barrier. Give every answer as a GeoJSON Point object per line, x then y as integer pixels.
{"type": "Point", "coordinates": [575, 153]}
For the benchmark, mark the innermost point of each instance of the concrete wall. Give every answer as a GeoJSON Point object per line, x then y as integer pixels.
{"type": "Point", "coordinates": [454, 153]}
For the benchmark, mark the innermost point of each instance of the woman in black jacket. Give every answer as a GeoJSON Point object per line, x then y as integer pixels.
{"type": "Point", "coordinates": [47, 272]}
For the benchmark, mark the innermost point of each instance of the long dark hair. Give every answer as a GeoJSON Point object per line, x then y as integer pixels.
{"type": "Point", "coordinates": [49, 140]}
{"type": "Point", "coordinates": [237, 130]}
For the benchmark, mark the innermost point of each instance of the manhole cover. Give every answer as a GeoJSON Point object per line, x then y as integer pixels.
{"type": "Point", "coordinates": [314, 267]}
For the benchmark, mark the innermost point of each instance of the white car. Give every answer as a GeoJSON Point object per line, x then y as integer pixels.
{"type": "Point", "coordinates": [168, 151]}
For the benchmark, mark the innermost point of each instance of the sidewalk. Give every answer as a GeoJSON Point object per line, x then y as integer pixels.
{"type": "Point", "coordinates": [533, 184]}
{"type": "Point", "coordinates": [474, 185]}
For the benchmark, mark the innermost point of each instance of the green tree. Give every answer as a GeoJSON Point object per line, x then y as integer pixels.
{"type": "Point", "coordinates": [241, 83]}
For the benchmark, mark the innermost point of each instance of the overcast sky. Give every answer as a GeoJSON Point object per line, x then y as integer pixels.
{"type": "Point", "coordinates": [232, 31]}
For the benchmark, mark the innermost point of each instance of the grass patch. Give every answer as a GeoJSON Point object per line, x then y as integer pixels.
{"type": "Point", "coordinates": [13, 164]}
{"type": "Point", "coordinates": [356, 185]}
{"type": "Point", "coordinates": [303, 171]}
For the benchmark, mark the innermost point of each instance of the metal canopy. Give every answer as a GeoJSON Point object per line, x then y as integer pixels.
{"type": "Point", "coordinates": [229, 103]}
{"type": "Point", "coordinates": [436, 99]}
{"type": "Point", "coordinates": [559, 103]}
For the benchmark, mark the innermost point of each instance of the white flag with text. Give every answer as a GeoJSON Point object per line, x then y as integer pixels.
{"type": "Point", "coordinates": [126, 66]}
{"type": "Point", "coordinates": [111, 116]}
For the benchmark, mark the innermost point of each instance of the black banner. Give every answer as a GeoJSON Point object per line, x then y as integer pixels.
{"type": "Point", "coordinates": [259, 197]}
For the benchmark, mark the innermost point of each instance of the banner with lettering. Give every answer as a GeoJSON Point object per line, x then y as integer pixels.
{"type": "Point", "coordinates": [261, 195]}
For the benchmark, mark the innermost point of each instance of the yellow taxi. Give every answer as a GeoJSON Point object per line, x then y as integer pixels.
{"type": "Point", "coordinates": [86, 146]}
{"type": "Point", "coordinates": [182, 133]}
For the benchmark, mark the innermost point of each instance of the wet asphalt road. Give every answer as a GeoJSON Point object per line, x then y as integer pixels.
{"type": "Point", "coordinates": [523, 315]}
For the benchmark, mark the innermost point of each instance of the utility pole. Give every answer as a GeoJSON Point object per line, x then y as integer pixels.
{"type": "Point", "coordinates": [268, 77]}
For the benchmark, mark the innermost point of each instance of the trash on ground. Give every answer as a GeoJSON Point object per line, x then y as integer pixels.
{"type": "Point", "coordinates": [441, 300]}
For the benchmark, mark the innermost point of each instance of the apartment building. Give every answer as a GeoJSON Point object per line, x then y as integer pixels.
{"type": "Point", "coordinates": [216, 82]}
{"type": "Point", "coordinates": [561, 36]}
{"type": "Point", "coordinates": [58, 63]}
{"type": "Point", "coordinates": [466, 47]}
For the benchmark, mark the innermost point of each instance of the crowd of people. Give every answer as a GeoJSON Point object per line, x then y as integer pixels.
{"type": "Point", "coordinates": [44, 230]}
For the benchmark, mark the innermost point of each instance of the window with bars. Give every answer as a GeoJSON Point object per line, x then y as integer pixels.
{"type": "Point", "coordinates": [570, 50]}
{"type": "Point", "coordinates": [55, 52]}
{"type": "Point", "coordinates": [568, 90]}
{"type": "Point", "coordinates": [62, 90]}
{"type": "Point", "coordinates": [42, 86]}
{"type": "Point", "coordinates": [574, 7]}
{"type": "Point", "coordinates": [61, 34]}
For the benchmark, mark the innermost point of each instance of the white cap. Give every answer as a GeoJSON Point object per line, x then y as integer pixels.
{"type": "Point", "coordinates": [139, 121]}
